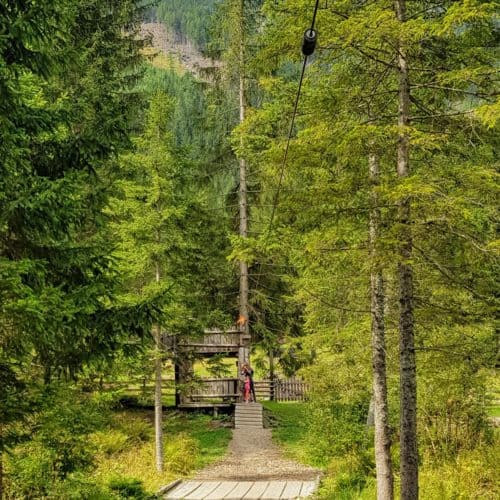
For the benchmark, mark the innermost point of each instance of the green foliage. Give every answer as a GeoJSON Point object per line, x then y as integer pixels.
{"type": "Point", "coordinates": [129, 488]}
{"type": "Point", "coordinates": [67, 71]}
{"type": "Point", "coordinates": [349, 477]}
{"type": "Point", "coordinates": [290, 426]}
{"type": "Point", "coordinates": [110, 442]}
{"type": "Point", "coordinates": [347, 110]}
{"type": "Point", "coordinates": [161, 226]}
{"type": "Point", "coordinates": [137, 429]}
{"type": "Point", "coordinates": [192, 441]}
{"type": "Point", "coordinates": [189, 19]}
{"type": "Point", "coordinates": [79, 487]}
{"type": "Point", "coordinates": [181, 453]}
{"type": "Point", "coordinates": [470, 474]}
{"type": "Point", "coordinates": [210, 439]}
{"type": "Point", "coordinates": [77, 269]}
{"type": "Point", "coordinates": [76, 448]}
{"type": "Point", "coordinates": [58, 445]}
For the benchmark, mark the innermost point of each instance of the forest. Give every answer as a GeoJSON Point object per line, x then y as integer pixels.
{"type": "Point", "coordinates": [321, 175]}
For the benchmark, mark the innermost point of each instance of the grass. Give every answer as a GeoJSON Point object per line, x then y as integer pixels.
{"type": "Point", "coordinates": [471, 474]}
{"type": "Point", "coordinates": [290, 431]}
{"type": "Point", "coordinates": [494, 411]}
{"type": "Point", "coordinates": [191, 441]}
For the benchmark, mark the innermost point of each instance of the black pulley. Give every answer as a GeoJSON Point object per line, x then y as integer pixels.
{"type": "Point", "coordinates": [309, 42]}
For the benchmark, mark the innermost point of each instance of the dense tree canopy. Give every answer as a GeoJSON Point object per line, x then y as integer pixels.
{"type": "Point", "coordinates": [120, 181]}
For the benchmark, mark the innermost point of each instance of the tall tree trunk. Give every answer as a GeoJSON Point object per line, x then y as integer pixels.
{"type": "Point", "coordinates": [158, 383]}
{"type": "Point", "coordinates": [243, 202]}
{"type": "Point", "coordinates": [408, 373]}
{"type": "Point", "coordinates": [383, 462]}
{"type": "Point", "coordinates": [1, 463]}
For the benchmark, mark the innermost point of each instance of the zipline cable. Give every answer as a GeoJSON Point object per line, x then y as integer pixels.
{"type": "Point", "coordinates": [308, 46]}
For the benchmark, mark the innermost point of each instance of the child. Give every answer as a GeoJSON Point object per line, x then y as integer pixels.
{"type": "Point", "coordinates": [248, 374]}
{"type": "Point", "coordinates": [247, 388]}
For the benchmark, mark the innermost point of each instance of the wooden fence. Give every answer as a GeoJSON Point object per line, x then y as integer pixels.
{"type": "Point", "coordinates": [292, 389]}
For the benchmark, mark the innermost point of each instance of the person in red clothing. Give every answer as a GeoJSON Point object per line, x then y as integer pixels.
{"type": "Point", "coordinates": [248, 387]}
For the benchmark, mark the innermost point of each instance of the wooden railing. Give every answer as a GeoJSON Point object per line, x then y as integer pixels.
{"type": "Point", "coordinates": [211, 342]}
{"type": "Point", "coordinates": [228, 389]}
{"type": "Point", "coordinates": [292, 389]}
{"type": "Point", "coordinates": [225, 389]}
{"type": "Point", "coordinates": [215, 388]}
{"type": "Point", "coordinates": [214, 340]}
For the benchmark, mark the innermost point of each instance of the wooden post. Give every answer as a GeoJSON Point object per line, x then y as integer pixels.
{"type": "Point", "coordinates": [271, 374]}
{"type": "Point", "coordinates": [177, 382]}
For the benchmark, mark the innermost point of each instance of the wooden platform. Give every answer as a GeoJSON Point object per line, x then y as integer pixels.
{"type": "Point", "coordinates": [241, 490]}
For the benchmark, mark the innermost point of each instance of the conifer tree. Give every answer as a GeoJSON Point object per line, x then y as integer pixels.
{"type": "Point", "coordinates": [147, 217]}
{"type": "Point", "coordinates": [404, 84]}
{"type": "Point", "coordinates": [67, 70]}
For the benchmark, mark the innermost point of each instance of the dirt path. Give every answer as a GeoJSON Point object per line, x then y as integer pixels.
{"type": "Point", "coordinates": [252, 456]}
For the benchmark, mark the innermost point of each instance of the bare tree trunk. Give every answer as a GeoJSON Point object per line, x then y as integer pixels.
{"type": "Point", "coordinates": [1, 467]}
{"type": "Point", "coordinates": [383, 462]}
{"type": "Point", "coordinates": [243, 202]}
{"type": "Point", "coordinates": [408, 372]}
{"type": "Point", "coordinates": [158, 401]}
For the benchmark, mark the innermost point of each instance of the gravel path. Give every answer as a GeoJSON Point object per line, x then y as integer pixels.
{"type": "Point", "coordinates": [252, 456]}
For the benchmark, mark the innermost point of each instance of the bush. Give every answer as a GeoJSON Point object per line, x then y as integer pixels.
{"type": "Point", "coordinates": [77, 487]}
{"type": "Point", "coordinates": [137, 429]}
{"type": "Point", "coordinates": [126, 487]}
{"type": "Point", "coordinates": [336, 429]}
{"type": "Point", "coordinates": [472, 474]}
{"type": "Point", "coordinates": [110, 441]}
{"type": "Point", "coordinates": [181, 453]}
{"type": "Point", "coordinates": [29, 471]}
{"type": "Point", "coordinates": [60, 444]}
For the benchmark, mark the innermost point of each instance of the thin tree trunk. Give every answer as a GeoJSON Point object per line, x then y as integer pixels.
{"type": "Point", "coordinates": [1, 464]}
{"type": "Point", "coordinates": [158, 401]}
{"type": "Point", "coordinates": [243, 202]}
{"type": "Point", "coordinates": [408, 374]}
{"type": "Point", "coordinates": [383, 462]}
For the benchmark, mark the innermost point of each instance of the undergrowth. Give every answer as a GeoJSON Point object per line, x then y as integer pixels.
{"type": "Point", "coordinates": [78, 447]}
{"type": "Point", "coordinates": [349, 474]}
{"type": "Point", "coordinates": [191, 441]}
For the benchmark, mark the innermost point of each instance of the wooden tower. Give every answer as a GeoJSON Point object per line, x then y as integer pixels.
{"type": "Point", "coordinates": [194, 392]}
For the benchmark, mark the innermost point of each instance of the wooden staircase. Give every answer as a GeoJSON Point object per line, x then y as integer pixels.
{"type": "Point", "coordinates": [248, 415]}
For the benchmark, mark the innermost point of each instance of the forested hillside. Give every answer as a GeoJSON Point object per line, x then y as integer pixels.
{"type": "Point", "coordinates": [189, 19]}
{"type": "Point", "coordinates": [339, 207]}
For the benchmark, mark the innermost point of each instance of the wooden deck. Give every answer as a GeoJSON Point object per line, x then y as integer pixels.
{"type": "Point", "coordinates": [241, 490]}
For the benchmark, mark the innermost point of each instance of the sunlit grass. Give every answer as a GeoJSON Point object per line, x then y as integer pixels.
{"type": "Point", "coordinates": [190, 443]}
{"type": "Point", "coordinates": [494, 411]}
{"type": "Point", "coordinates": [290, 432]}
